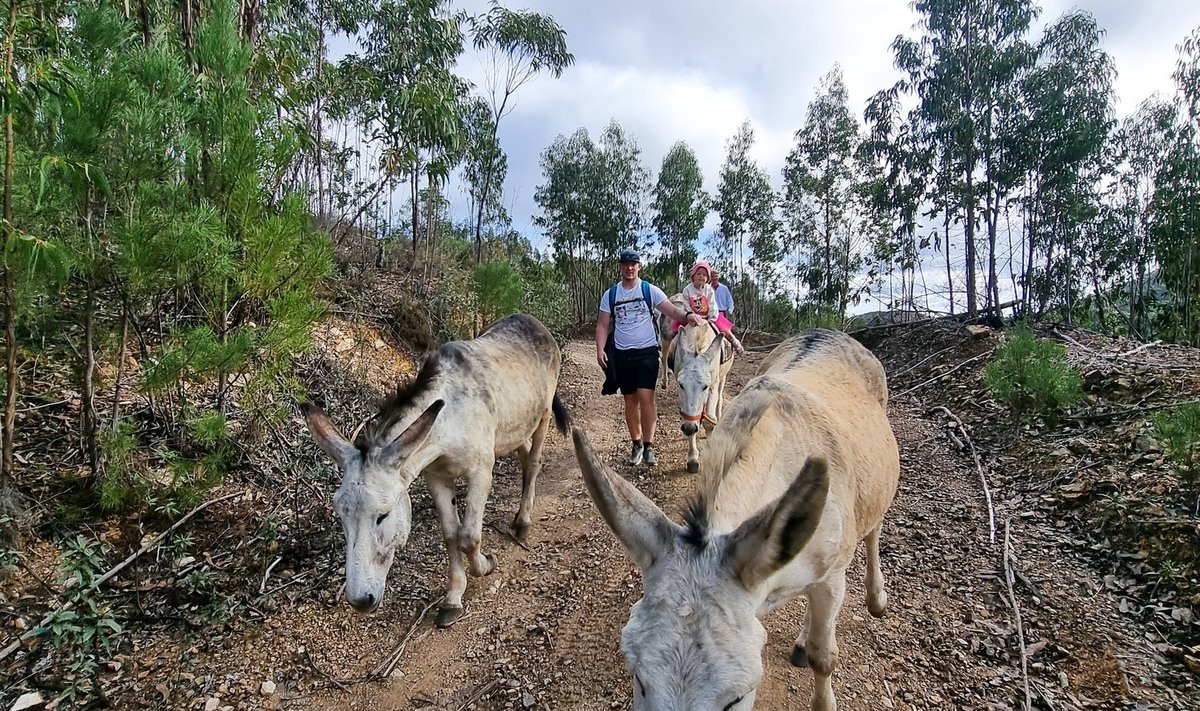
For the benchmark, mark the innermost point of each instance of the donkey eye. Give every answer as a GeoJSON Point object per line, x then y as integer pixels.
{"type": "Point", "coordinates": [733, 703]}
{"type": "Point", "coordinates": [382, 516]}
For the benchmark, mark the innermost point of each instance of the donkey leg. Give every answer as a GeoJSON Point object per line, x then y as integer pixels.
{"type": "Point", "coordinates": [817, 645]}
{"type": "Point", "coordinates": [531, 466]}
{"type": "Point", "coordinates": [442, 493]}
{"type": "Point", "coordinates": [470, 533]}
{"type": "Point", "coordinates": [693, 462]}
{"type": "Point", "coordinates": [876, 594]}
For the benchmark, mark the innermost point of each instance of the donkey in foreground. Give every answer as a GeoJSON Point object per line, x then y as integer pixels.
{"type": "Point", "coordinates": [472, 401]}
{"type": "Point", "coordinates": [702, 359]}
{"type": "Point", "coordinates": [802, 466]}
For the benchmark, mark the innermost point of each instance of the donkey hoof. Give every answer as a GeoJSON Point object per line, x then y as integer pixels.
{"type": "Point", "coordinates": [799, 658]}
{"type": "Point", "coordinates": [491, 564]}
{"type": "Point", "coordinates": [520, 529]}
{"type": "Point", "coordinates": [693, 467]}
{"type": "Point", "coordinates": [447, 616]}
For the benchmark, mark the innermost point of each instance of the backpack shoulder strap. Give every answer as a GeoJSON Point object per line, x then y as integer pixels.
{"type": "Point", "coordinates": [612, 299]}
{"type": "Point", "coordinates": [649, 306]}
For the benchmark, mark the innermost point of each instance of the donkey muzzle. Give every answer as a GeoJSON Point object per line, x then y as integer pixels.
{"type": "Point", "coordinates": [690, 424]}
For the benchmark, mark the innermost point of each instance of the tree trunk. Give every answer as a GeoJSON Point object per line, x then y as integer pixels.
{"type": "Point", "coordinates": [187, 24]}
{"type": "Point", "coordinates": [122, 354]}
{"type": "Point", "coordinates": [7, 488]}
{"type": "Point", "coordinates": [416, 209]}
{"type": "Point", "coordinates": [318, 112]}
{"type": "Point", "coordinates": [946, 251]}
{"type": "Point", "coordinates": [147, 24]}
{"type": "Point", "coordinates": [91, 425]}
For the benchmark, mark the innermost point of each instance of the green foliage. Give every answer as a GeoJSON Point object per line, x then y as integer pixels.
{"type": "Point", "coordinates": [498, 290]}
{"type": "Point", "coordinates": [1179, 431]}
{"type": "Point", "coordinates": [1032, 375]}
{"type": "Point", "coordinates": [89, 632]}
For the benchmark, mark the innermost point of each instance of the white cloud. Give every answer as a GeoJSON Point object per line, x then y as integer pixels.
{"type": "Point", "coordinates": [680, 70]}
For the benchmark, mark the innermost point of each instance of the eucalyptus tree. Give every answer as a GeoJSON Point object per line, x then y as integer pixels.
{"type": "Point", "coordinates": [520, 45]}
{"type": "Point", "coordinates": [680, 207]}
{"type": "Point", "coordinates": [895, 170]}
{"type": "Point", "coordinates": [745, 204]}
{"type": "Point", "coordinates": [593, 202]}
{"type": "Point", "coordinates": [1177, 200]}
{"type": "Point", "coordinates": [819, 182]}
{"type": "Point", "coordinates": [1069, 98]}
{"type": "Point", "coordinates": [964, 69]}
{"type": "Point", "coordinates": [484, 167]}
{"type": "Point", "coordinates": [1137, 152]}
{"type": "Point", "coordinates": [412, 100]}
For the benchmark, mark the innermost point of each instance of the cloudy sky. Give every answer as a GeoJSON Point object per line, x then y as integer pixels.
{"type": "Point", "coordinates": [694, 70]}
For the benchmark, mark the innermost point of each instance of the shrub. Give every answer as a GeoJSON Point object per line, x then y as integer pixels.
{"type": "Point", "coordinates": [1179, 432]}
{"type": "Point", "coordinates": [497, 290]}
{"type": "Point", "coordinates": [1032, 376]}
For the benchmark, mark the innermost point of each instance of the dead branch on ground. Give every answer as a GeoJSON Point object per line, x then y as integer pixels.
{"type": "Point", "coordinates": [385, 668]}
{"type": "Point", "coordinates": [1012, 598]}
{"type": "Point", "coordinates": [955, 369]}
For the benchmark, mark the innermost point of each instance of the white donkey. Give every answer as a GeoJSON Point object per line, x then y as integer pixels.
{"type": "Point", "coordinates": [701, 359]}
{"type": "Point", "coordinates": [471, 402]}
{"type": "Point", "coordinates": [802, 466]}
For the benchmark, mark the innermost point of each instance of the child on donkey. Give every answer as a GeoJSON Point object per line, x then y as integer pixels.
{"type": "Point", "coordinates": [699, 298]}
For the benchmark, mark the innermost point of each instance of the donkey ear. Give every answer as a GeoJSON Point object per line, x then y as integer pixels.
{"type": "Point", "coordinates": [326, 435]}
{"type": "Point", "coordinates": [714, 348]}
{"type": "Point", "coordinates": [416, 433]}
{"type": "Point", "coordinates": [770, 539]}
{"type": "Point", "coordinates": [642, 527]}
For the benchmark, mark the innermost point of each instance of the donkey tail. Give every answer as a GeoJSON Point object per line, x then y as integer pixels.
{"type": "Point", "coordinates": [562, 418]}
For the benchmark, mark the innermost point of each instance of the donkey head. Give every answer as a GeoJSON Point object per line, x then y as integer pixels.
{"type": "Point", "coordinates": [373, 501]}
{"type": "Point", "coordinates": [694, 640]}
{"type": "Point", "coordinates": [695, 372]}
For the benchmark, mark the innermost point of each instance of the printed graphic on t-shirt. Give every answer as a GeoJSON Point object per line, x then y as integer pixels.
{"type": "Point", "coordinates": [633, 322]}
{"type": "Point", "coordinates": [699, 304]}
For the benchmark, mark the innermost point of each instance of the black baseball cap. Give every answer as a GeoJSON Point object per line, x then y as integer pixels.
{"type": "Point", "coordinates": [630, 255]}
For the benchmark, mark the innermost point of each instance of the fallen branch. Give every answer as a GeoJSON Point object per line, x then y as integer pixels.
{"type": "Point", "coordinates": [479, 694]}
{"type": "Point", "coordinates": [921, 362]}
{"type": "Point", "coordinates": [936, 378]}
{"type": "Point", "coordinates": [385, 668]}
{"type": "Point", "coordinates": [1137, 409]}
{"type": "Point", "coordinates": [987, 491]}
{"type": "Point", "coordinates": [262, 587]}
{"type": "Point", "coordinates": [1012, 598]}
{"type": "Point", "coordinates": [153, 542]}
{"type": "Point", "coordinates": [511, 536]}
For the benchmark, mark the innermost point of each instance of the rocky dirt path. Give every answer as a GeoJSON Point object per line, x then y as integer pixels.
{"type": "Point", "coordinates": [543, 632]}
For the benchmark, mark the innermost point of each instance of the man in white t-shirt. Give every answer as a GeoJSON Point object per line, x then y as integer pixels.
{"type": "Point", "coordinates": [635, 349]}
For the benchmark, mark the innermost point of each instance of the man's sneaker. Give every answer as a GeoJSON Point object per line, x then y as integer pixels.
{"type": "Point", "coordinates": [649, 458]}
{"type": "Point", "coordinates": [635, 457]}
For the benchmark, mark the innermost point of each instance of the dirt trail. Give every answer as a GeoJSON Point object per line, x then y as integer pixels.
{"type": "Point", "coordinates": [543, 631]}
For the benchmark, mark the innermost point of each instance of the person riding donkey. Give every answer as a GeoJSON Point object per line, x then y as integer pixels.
{"type": "Point", "coordinates": [627, 350]}
{"type": "Point", "coordinates": [700, 298]}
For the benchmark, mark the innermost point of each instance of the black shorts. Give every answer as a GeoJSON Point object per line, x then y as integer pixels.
{"type": "Point", "coordinates": [636, 369]}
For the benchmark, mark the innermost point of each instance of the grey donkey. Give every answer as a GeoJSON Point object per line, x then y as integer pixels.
{"type": "Point", "coordinates": [472, 401]}
{"type": "Point", "coordinates": [802, 467]}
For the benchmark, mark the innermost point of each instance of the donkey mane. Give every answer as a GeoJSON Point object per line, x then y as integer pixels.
{"type": "Point", "coordinates": [697, 527]}
{"type": "Point", "coordinates": [394, 407]}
